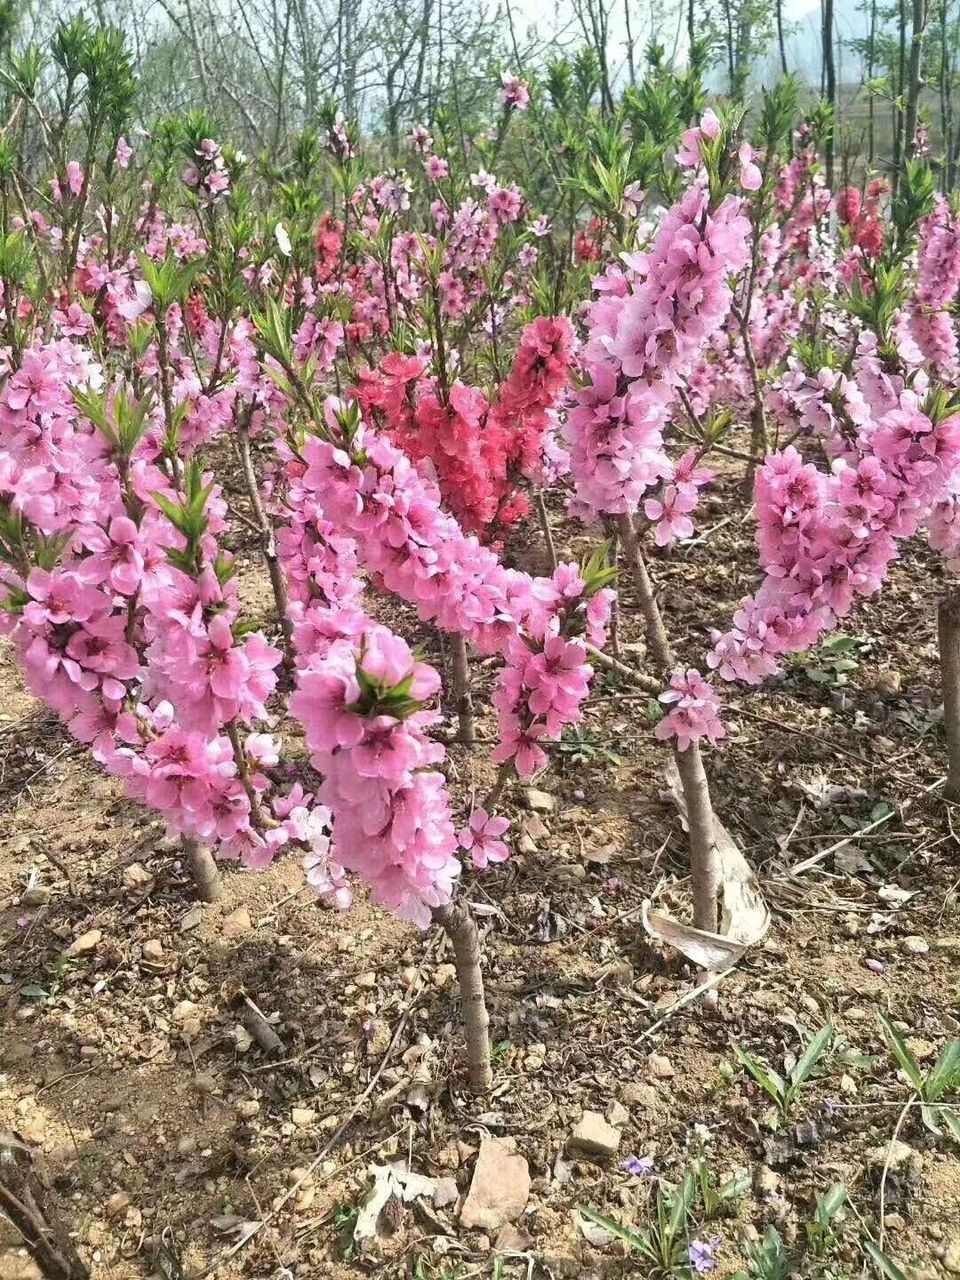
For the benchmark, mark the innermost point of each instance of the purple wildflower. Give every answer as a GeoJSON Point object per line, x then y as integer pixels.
{"type": "Point", "coordinates": [639, 1166]}
{"type": "Point", "coordinates": [703, 1255]}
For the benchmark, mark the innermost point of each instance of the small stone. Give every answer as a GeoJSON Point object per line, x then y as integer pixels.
{"type": "Point", "coordinates": [37, 896]}
{"type": "Point", "coordinates": [186, 1145]}
{"type": "Point", "coordinates": [765, 1181]}
{"type": "Point", "coordinates": [900, 1153]}
{"type": "Point", "coordinates": [237, 924]}
{"type": "Point", "coordinates": [499, 1188]}
{"type": "Point", "coordinates": [378, 1036]}
{"type": "Point", "coordinates": [895, 1221]}
{"type": "Point", "coordinates": [594, 1138]}
{"type": "Point", "coordinates": [848, 1086]}
{"type": "Point", "coordinates": [644, 1096]}
{"type": "Point", "coordinates": [366, 980]}
{"type": "Point", "coordinates": [510, 1240]}
{"type": "Point", "coordinates": [445, 1192]}
{"type": "Point", "coordinates": [540, 801]}
{"type": "Point", "coordinates": [184, 1010]}
{"type": "Point", "coordinates": [661, 1068]}
{"type": "Point", "coordinates": [444, 975]}
{"type": "Point", "coordinates": [86, 943]}
{"type": "Point", "coordinates": [88, 1052]}
{"type": "Point", "coordinates": [525, 844]}
{"type": "Point", "coordinates": [617, 1115]}
{"type": "Point", "coordinates": [190, 1029]}
{"type": "Point", "coordinates": [304, 1198]}
{"type": "Point", "coordinates": [137, 878]}
{"type": "Point", "coordinates": [915, 945]}
{"type": "Point", "coordinates": [951, 1256]}
{"type": "Point", "coordinates": [535, 827]}
{"type": "Point", "coordinates": [117, 1204]}
{"type": "Point", "coordinates": [205, 1083]}
{"type": "Point", "coordinates": [113, 1102]}
{"type": "Point", "coordinates": [888, 681]}
{"type": "Point", "coordinates": [950, 943]}
{"type": "Point", "coordinates": [153, 949]}
{"type": "Point", "coordinates": [248, 1108]}
{"type": "Point", "coordinates": [192, 919]}
{"type": "Point", "coordinates": [303, 1117]}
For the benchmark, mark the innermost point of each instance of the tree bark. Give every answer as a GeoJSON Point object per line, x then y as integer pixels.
{"type": "Point", "coordinates": [204, 871]}
{"type": "Point", "coordinates": [914, 77]}
{"type": "Point", "coordinates": [948, 635]}
{"type": "Point", "coordinates": [466, 732]}
{"type": "Point", "coordinates": [547, 531]}
{"type": "Point", "coordinates": [780, 40]}
{"type": "Point", "coordinates": [704, 865]}
{"type": "Point", "coordinates": [268, 544]}
{"type": "Point", "coordinates": [25, 1200]}
{"type": "Point", "coordinates": [461, 928]}
{"type": "Point", "coordinates": [830, 85]}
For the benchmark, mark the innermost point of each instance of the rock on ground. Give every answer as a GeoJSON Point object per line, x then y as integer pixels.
{"type": "Point", "coordinates": [499, 1188]}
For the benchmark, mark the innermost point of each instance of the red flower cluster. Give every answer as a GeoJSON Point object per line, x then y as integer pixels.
{"type": "Point", "coordinates": [861, 215]}
{"type": "Point", "coordinates": [479, 453]}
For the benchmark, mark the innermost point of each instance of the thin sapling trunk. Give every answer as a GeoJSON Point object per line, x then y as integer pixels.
{"type": "Point", "coordinates": [461, 928]}
{"type": "Point", "coordinates": [704, 865]}
{"type": "Point", "coordinates": [948, 635]}
{"type": "Point", "coordinates": [466, 733]}
{"type": "Point", "coordinates": [203, 869]}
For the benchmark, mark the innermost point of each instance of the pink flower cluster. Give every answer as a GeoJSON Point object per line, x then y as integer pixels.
{"type": "Point", "coordinates": [646, 330]}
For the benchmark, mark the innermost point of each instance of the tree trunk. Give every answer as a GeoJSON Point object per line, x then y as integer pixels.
{"type": "Point", "coordinates": [704, 866]}
{"type": "Point", "coordinates": [780, 41]}
{"type": "Point", "coordinates": [547, 531]}
{"type": "Point", "coordinates": [461, 928]}
{"type": "Point", "coordinates": [268, 544]}
{"type": "Point", "coordinates": [204, 871]}
{"type": "Point", "coordinates": [901, 85]}
{"type": "Point", "coordinates": [830, 86]}
{"type": "Point", "coordinates": [466, 733]}
{"type": "Point", "coordinates": [871, 66]}
{"type": "Point", "coordinates": [914, 77]}
{"type": "Point", "coordinates": [948, 635]}
{"type": "Point", "coordinates": [25, 1201]}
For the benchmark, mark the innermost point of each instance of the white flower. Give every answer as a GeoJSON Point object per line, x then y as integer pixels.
{"type": "Point", "coordinates": [283, 240]}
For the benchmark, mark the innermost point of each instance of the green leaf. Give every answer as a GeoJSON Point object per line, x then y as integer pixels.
{"type": "Point", "coordinates": [898, 1047]}
{"type": "Point", "coordinates": [946, 1072]}
{"type": "Point", "coordinates": [951, 1122]}
{"type": "Point", "coordinates": [629, 1237]}
{"type": "Point", "coordinates": [682, 1204]}
{"type": "Point", "coordinates": [815, 1050]}
{"type": "Point", "coordinates": [830, 1204]}
{"type": "Point", "coordinates": [884, 1264]}
{"type": "Point", "coordinates": [766, 1077]}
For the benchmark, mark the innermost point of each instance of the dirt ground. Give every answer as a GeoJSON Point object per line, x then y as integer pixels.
{"type": "Point", "coordinates": [178, 1148]}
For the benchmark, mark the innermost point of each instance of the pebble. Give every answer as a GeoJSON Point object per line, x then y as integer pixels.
{"type": "Point", "coordinates": [248, 1108]}
{"type": "Point", "coordinates": [86, 943]}
{"type": "Point", "coordinates": [540, 801]}
{"type": "Point", "coordinates": [915, 945]}
{"type": "Point", "coordinates": [303, 1117]}
{"type": "Point", "coordinates": [366, 980]}
{"type": "Point", "coordinates": [900, 1154]}
{"type": "Point", "coordinates": [136, 877]}
{"type": "Point", "coordinates": [765, 1181]}
{"type": "Point", "coordinates": [237, 924]}
{"type": "Point", "coordinates": [184, 1010]}
{"type": "Point", "coordinates": [951, 1256]}
{"type": "Point", "coordinates": [445, 1192]}
{"type": "Point", "coordinates": [661, 1068]}
{"type": "Point", "coordinates": [38, 896]}
{"type": "Point", "coordinates": [594, 1138]}
{"type": "Point", "coordinates": [617, 1115]}
{"type": "Point", "coordinates": [153, 949]}
{"type": "Point", "coordinates": [117, 1204]}
{"type": "Point", "coordinates": [950, 944]}
{"type": "Point", "coordinates": [644, 1096]}
{"type": "Point", "coordinates": [499, 1188]}
{"type": "Point", "coordinates": [895, 1221]}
